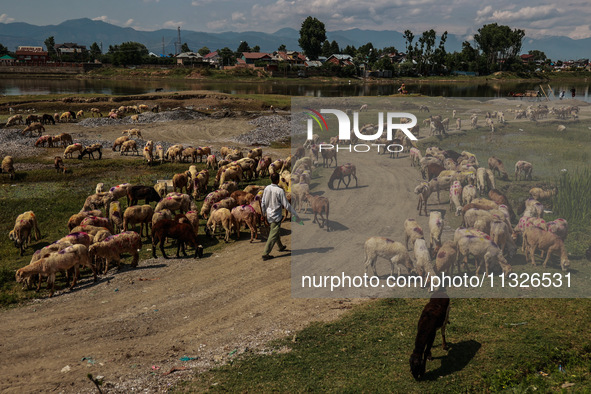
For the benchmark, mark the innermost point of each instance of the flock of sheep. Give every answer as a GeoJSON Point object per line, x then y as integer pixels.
{"type": "Point", "coordinates": [101, 232]}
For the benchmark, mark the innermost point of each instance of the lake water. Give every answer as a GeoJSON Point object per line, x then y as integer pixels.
{"type": "Point", "coordinates": [300, 87]}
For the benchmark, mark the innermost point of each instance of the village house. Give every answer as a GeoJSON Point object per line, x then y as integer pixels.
{"type": "Point", "coordinates": [31, 55]}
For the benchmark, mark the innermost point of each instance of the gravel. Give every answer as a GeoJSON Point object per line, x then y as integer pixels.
{"type": "Point", "coordinates": [269, 129]}
{"type": "Point", "coordinates": [146, 117]}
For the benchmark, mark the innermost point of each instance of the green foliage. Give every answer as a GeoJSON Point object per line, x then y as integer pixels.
{"type": "Point", "coordinates": [256, 48]}
{"type": "Point", "coordinates": [95, 51]}
{"type": "Point", "coordinates": [312, 34]}
{"type": "Point", "coordinates": [204, 51]}
{"type": "Point", "coordinates": [185, 48]}
{"type": "Point", "coordinates": [228, 56]}
{"type": "Point", "coordinates": [243, 47]}
{"type": "Point", "coordinates": [128, 53]}
{"type": "Point", "coordinates": [50, 46]}
{"type": "Point", "coordinates": [282, 48]}
{"type": "Point", "coordinates": [569, 202]}
{"type": "Point", "coordinates": [499, 43]}
{"type": "Point", "coordinates": [3, 50]}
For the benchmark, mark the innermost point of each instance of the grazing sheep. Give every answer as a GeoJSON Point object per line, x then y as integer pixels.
{"type": "Point", "coordinates": [159, 153]}
{"type": "Point", "coordinates": [319, 205]}
{"type": "Point", "coordinates": [88, 229]}
{"type": "Point", "coordinates": [120, 191]}
{"type": "Point", "coordinates": [277, 166]}
{"type": "Point", "coordinates": [340, 172]}
{"type": "Point", "coordinates": [45, 139]}
{"type": "Point", "coordinates": [97, 222]}
{"type": "Point", "coordinates": [7, 166]}
{"type": "Point", "coordinates": [24, 226]}
{"type": "Point", "coordinates": [392, 251]}
{"type": "Point", "coordinates": [541, 194]}
{"type": "Point", "coordinates": [13, 120]}
{"type": "Point", "coordinates": [501, 234]}
{"type": "Point", "coordinates": [435, 315]}
{"type": "Point", "coordinates": [115, 216]}
{"type": "Point", "coordinates": [98, 200]}
{"type": "Point", "coordinates": [211, 199]}
{"type": "Point", "coordinates": [119, 141]}
{"type": "Point", "coordinates": [129, 146]}
{"type": "Point", "coordinates": [523, 168]}
{"type": "Point", "coordinates": [499, 198]}
{"type": "Point", "coordinates": [135, 118]}
{"type": "Point", "coordinates": [263, 166]}
{"type": "Point", "coordinates": [211, 162]}
{"type": "Point", "coordinates": [423, 265]}
{"type": "Point", "coordinates": [131, 132]}
{"type": "Point", "coordinates": [182, 232]}
{"type": "Point", "coordinates": [533, 208]}
{"type": "Point", "coordinates": [71, 257]}
{"type": "Point", "coordinates": [200, 184]}
{"type": "Point", "coordinates": [180, 181]}
{"type": "Point", "coordinates": [455, 191]}
{"type": "Point", "coordinates": [67, 116]}
{"type": "Point", "coordinates": [64, 139]}
{"type": "Point", "coordinates": [176, 201]}
{"type": "Point", "coordinates": [496, 165]}
{"type": "Point", "coordinates": [435, 230]}
{"type": "Point", "coordinates": [468, 194]}
{"type": "Point", "coordinates": [141, 214]}
{"type": "Point", "coordinates": [446, 258]}
{"type": "Point", "coordinates": [77, 218]}
{"type": "Point", "coordinates": [38, 127]}
{"type": "Point", "coordinates": [96, 111]}
{"type": "Point", "coordinates": [241, 197]}
{"type": "Point", "coordinates": [80, 114]}
{"type": "Point", "coordinates": [535, 238]}
{"type": "Point", "coordinates": [484, 251]}
{"type": "Point", "coordinates": [559, 227]}
{"type": "Point", "coordinates": [70, 149]}
{"type": "Point", "coordinates": [223, 217]}
{"type": "Point", "coordinates": [114, 246]}
{"type": "Point", "coordinates": [89, 150]}
{"type": "Point", "coordinates": [247, 215]}
{"type": "Point", "coordinates": [412, 232]}
{"type": "Point", "coordinates": [227, 203]}
{"type": "Point", "coordinates": [158, 216]}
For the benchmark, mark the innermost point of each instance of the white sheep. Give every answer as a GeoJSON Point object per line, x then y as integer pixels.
{"type": "Point", "coordinates": [455, 191]}
{"type": "Point", "coordinates": [468, 194]}
{"type": "Point", "coordinates": [141, 214]}
{"type": "Point", "coordinates": [435, 229]}
{"type": "Point", "coordinates": [423, 265]}
{"type": "Point", "coordinates": [114, 246]}
{"type": "Point", "coordinates": [484, 251]}
{"type": "Point", "coordinates": [394, 252]}
{"type": "Point", "coordinates": [412, 232]}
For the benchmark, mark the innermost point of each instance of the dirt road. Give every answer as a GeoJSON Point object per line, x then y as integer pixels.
{"type": "Point", "coordinates": [133, 326]}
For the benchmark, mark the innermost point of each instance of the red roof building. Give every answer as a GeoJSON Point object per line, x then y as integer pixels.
{"type": "Point", "coordinates": [34, 55]}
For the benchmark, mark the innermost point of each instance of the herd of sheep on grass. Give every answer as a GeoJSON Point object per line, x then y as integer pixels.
{"type": "Point", "coordinates": [103, 230]}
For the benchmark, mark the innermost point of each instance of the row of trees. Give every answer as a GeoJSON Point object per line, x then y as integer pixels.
{"type": "Point", "coordinates": [497, 49]}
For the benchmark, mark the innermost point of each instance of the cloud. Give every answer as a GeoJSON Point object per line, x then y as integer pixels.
{"type": "Point", "coordinates": [172, 24]}
{"type": "Point", "coordinates": [197, 3]}
{"type": "Point", "coordinates": [5, 19]}
{"type": "Point", "coordinates": [583, 31]}
{"type": "Point", "coordinates": [526, 14]}
{"type": "Point", "coordinates": [105, 19]}
{"type": "Point", "coordinates": [238, 17]}
{"type": "Point", "coordinates": [128, 23]}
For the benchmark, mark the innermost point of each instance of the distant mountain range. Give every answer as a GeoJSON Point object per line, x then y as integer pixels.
{"type": "Point", "coordinates": [86, 31]}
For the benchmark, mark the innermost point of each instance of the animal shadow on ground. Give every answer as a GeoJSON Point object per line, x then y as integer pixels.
{"type": "Point", "coordinates": [342, 187]}
{"type": "Point", "coordinates": [311, 250]}
{"type": "Point", "coordinates": [457, 358]}
{"type": "Point", "coordinates": [312, 186]}
{"type": "Point", "coordinates": [334, 226]}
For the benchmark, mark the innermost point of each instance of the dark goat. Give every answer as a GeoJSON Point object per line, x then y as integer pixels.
{"type": "Point", "coordinates": [47, 119]}
{"type": "Point", "coordinates": [182, 232]}
{"type": "Point", "coordinates": [139, 192]}
{"type": "Point", "coordinates": [435, 315]}
{"type": "Point", "coordinates": [73, 114]}
{"type": "Point", "coordinates": [432, 170]}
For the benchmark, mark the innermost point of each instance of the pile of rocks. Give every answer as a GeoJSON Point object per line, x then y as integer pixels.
{"type": "Point", "coordinates": [269, 129]}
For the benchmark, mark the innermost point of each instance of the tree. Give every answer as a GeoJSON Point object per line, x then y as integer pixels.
{"type": "Point", "coordinates": [499, 43]}
{"type": "Point", "coordinates": [256, 48]}
{"type": "Point", "coordinates": [185, 48]}
{"type": "Point", "coordinates": [50, 45]}
{"type": "Point", "coordinates": [228, 57]}
{"type": "Point", "coordinates": [312, 34]}
{"type": "Point", "coordinates": [350, 50]}
{"type": "Point", "coordinates": [95, 51]}
{"type": "Point", "coordinates": [281, 48]}
{"type": "Point", "coordinates": [326, 51]}
{"type": "Point", "coordinates": [3, 50]}
{"type": "Point", "coordinates": [538, 55]}
{"type": "Point", "coordinates": [204, 51]}
{"type": "Point", "coordinates": [243, 47]}
{"type": "Point", "coordinates": [334, 47]}
{"type": "Point", "coordinates": [128, 53]}
{"type": "Point", "coordinates": [409, 37]}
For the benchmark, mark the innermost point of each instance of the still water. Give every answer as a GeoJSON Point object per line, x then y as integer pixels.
{"type": "Point", "coordinates": [28, 86]}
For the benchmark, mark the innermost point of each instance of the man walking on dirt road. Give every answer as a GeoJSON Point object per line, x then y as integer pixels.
{"type": "Point", "coordinates": [272, 204]}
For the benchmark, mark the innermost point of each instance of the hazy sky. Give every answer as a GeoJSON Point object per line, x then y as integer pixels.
{"type": "Point", "coordinates": [464, 17]}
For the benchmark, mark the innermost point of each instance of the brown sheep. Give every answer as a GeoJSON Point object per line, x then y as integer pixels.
{"type": "Point", "coordinates": [536, 238]}
{"type": "Point", "coordinates": [141, 214]}
{"type": "Point", "coordinates": [71, 257]}
{"type": "Point", "coordinates": [8, 167]}
{"type": "Point", "coordinates": [241, 197]}
{"type": "Point", "coordinates": [182, 232]}
{"type": "Point", "coordinates": [246, 214]}
{"type": "Point", "coordinates": [97, 222]}
{"type": "Point", "coordinates": [129, 146]}
{"type": "Point", "coordinates": [223, 217]}
{"type": "Point", "coordinates": [114, 246]}
{"type": "Point", "coordinates": [319, 205]}
{"type": "Point", "coordinates": [24, 226]}
{"type": "Point", "coordinates": [180, 181]}
{"type": "Point", "coordinates": [119, 141]}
